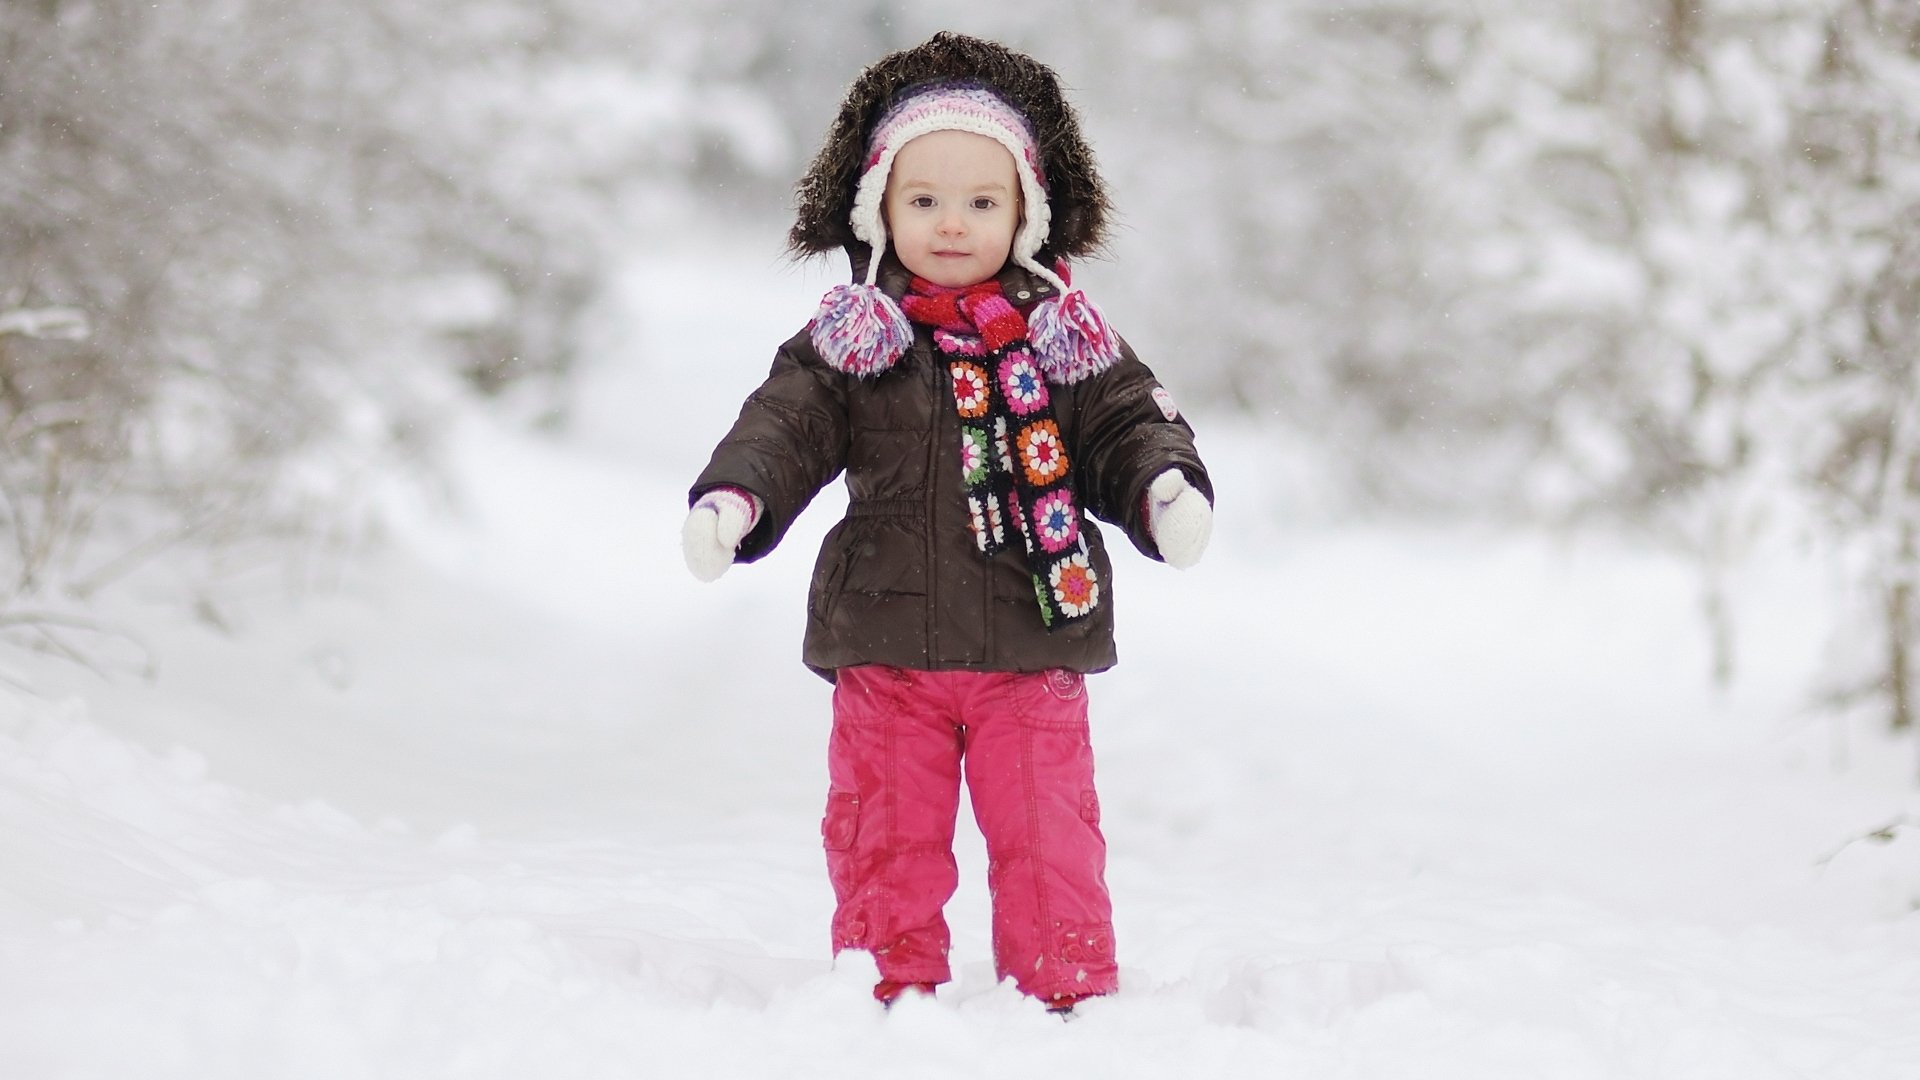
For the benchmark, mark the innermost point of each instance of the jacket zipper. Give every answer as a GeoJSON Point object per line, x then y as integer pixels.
{"type": "Point", "coordinates": [928, 534]}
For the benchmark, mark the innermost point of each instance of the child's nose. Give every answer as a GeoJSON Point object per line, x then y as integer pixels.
{"type": "Point", "coordinates": [951, 224]}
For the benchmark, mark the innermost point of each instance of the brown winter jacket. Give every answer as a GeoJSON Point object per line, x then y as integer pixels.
{"type": "Point", "coordinates": [899, 580]}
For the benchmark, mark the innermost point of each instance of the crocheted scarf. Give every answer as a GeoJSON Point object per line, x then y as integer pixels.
{"type": "Point", "coordinates": [1013, 460]}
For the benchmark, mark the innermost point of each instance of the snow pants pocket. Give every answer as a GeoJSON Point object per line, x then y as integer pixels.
{"type": "Point", "coordinates": [838, 829]}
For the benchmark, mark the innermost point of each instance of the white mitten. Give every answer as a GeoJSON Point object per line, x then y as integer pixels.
{"type": "Point", "coordinates": [1180, 519]}
{"type": "Point", "coordinates": [713, 530]}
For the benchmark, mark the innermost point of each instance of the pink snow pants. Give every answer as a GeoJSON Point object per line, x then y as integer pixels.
{"type": "Point", "coordinates": [900, 741]}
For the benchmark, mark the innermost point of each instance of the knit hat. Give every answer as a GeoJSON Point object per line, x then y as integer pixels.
{"type": "Point", "coordinates": [977, 87]}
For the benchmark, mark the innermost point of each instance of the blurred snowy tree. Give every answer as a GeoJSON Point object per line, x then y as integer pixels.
{"type": "Point", "coordinates": [247, 245]}
{"type": "Point", "coordinates": [1852, 394]}
{"type": "Point", "coordinates": [1651, 264]}
{"type": "Point", "coordinates": [1702, 238]}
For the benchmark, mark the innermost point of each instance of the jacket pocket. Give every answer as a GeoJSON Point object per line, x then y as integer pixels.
{"type": "Point", "coordinates": [829, 575]}
{"type": "Point", "coordinates": [826, 590]}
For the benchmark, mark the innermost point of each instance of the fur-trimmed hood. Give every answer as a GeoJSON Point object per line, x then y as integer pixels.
{"type": "Point", "coordinates": [1075, 193]}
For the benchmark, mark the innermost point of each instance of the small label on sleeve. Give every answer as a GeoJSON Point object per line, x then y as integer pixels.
{"type": "Point", "coordinates": [1165, 400]}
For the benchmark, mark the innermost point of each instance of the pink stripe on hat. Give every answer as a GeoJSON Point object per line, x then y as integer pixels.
{"type": "Point", "coordinates": [939, 104]}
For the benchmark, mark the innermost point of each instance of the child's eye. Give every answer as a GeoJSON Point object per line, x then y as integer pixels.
{"type": "Point", "coordinates": [924, 202]}
{"type": "Point", "coordinates": [983, 203]}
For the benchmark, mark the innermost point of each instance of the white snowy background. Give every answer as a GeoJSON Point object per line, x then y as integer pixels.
{"type": "Point", "coordinates": [515, 796]}
{"type": "Point", "coordinates": [408, 748]}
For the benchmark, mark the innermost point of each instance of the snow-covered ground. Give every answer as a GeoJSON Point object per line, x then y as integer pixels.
{"type": "Point", "coordinates": [517, 797]}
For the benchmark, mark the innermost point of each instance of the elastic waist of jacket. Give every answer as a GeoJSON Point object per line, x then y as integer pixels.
{"type": "Point", "coordinates": [886, 508]}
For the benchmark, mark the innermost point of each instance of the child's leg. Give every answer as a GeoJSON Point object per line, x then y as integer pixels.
{"type": "Point", "coordinates": [894, 766]}
{"type": "Point", "coordinates": [1029, 766]}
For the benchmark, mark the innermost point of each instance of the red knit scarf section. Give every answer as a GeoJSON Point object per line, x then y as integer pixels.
{"type": "Point", "coordinates": [978, 310]}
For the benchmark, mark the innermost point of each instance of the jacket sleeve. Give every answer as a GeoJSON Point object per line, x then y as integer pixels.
{"type": "Point", "coordinates": [1121, 439]}
{"type": "Point", "coordinates": [789, 442]}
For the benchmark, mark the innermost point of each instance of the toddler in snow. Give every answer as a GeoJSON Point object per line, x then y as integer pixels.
{"type": "Point", "coordinates": [980, 408]}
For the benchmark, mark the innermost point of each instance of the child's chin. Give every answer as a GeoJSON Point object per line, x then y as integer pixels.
{"type": "Point", "coordinates": [954, 276]}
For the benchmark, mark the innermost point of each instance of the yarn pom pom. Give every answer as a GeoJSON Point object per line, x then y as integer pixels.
{"type": "Point", "coordinates": [860, 330]}
{"type": "Point", "coordinates": [1072, 338]}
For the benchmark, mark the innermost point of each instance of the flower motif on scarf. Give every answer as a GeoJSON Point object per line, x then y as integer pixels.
{"type": "Point", "coordinates": [1046, 602]}
{"type": "Point", "coordinates": [977, 521]}
{"type": "Point", "coordinates": [973, 455]}
{"type": "Point", "coordinates": [1076, 588]}
{"type": "Point", "coordinates": [1041, 454]}
{"type": "Point", "coordinates": [996, 521]}
{"type": "Point", "coordinates": [987, 520]}
{"type": "Point", "coordinates": [1056, 521]}
{"type": "Point", "coordinates": [957, 345]}
{"type": "Point", "coordinates": [1002, 445]}
{"type": "Point", "coordinates": [970, 389]}
{"type": "Point", "coordinates": [1021, 382]}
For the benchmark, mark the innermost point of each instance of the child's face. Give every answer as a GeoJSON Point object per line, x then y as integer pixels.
{"type": "Point", "coordinates": [952, 206]}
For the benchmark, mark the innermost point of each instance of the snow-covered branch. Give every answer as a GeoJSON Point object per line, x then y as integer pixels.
{"type": "Point", "coordinates": [52, 323]}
